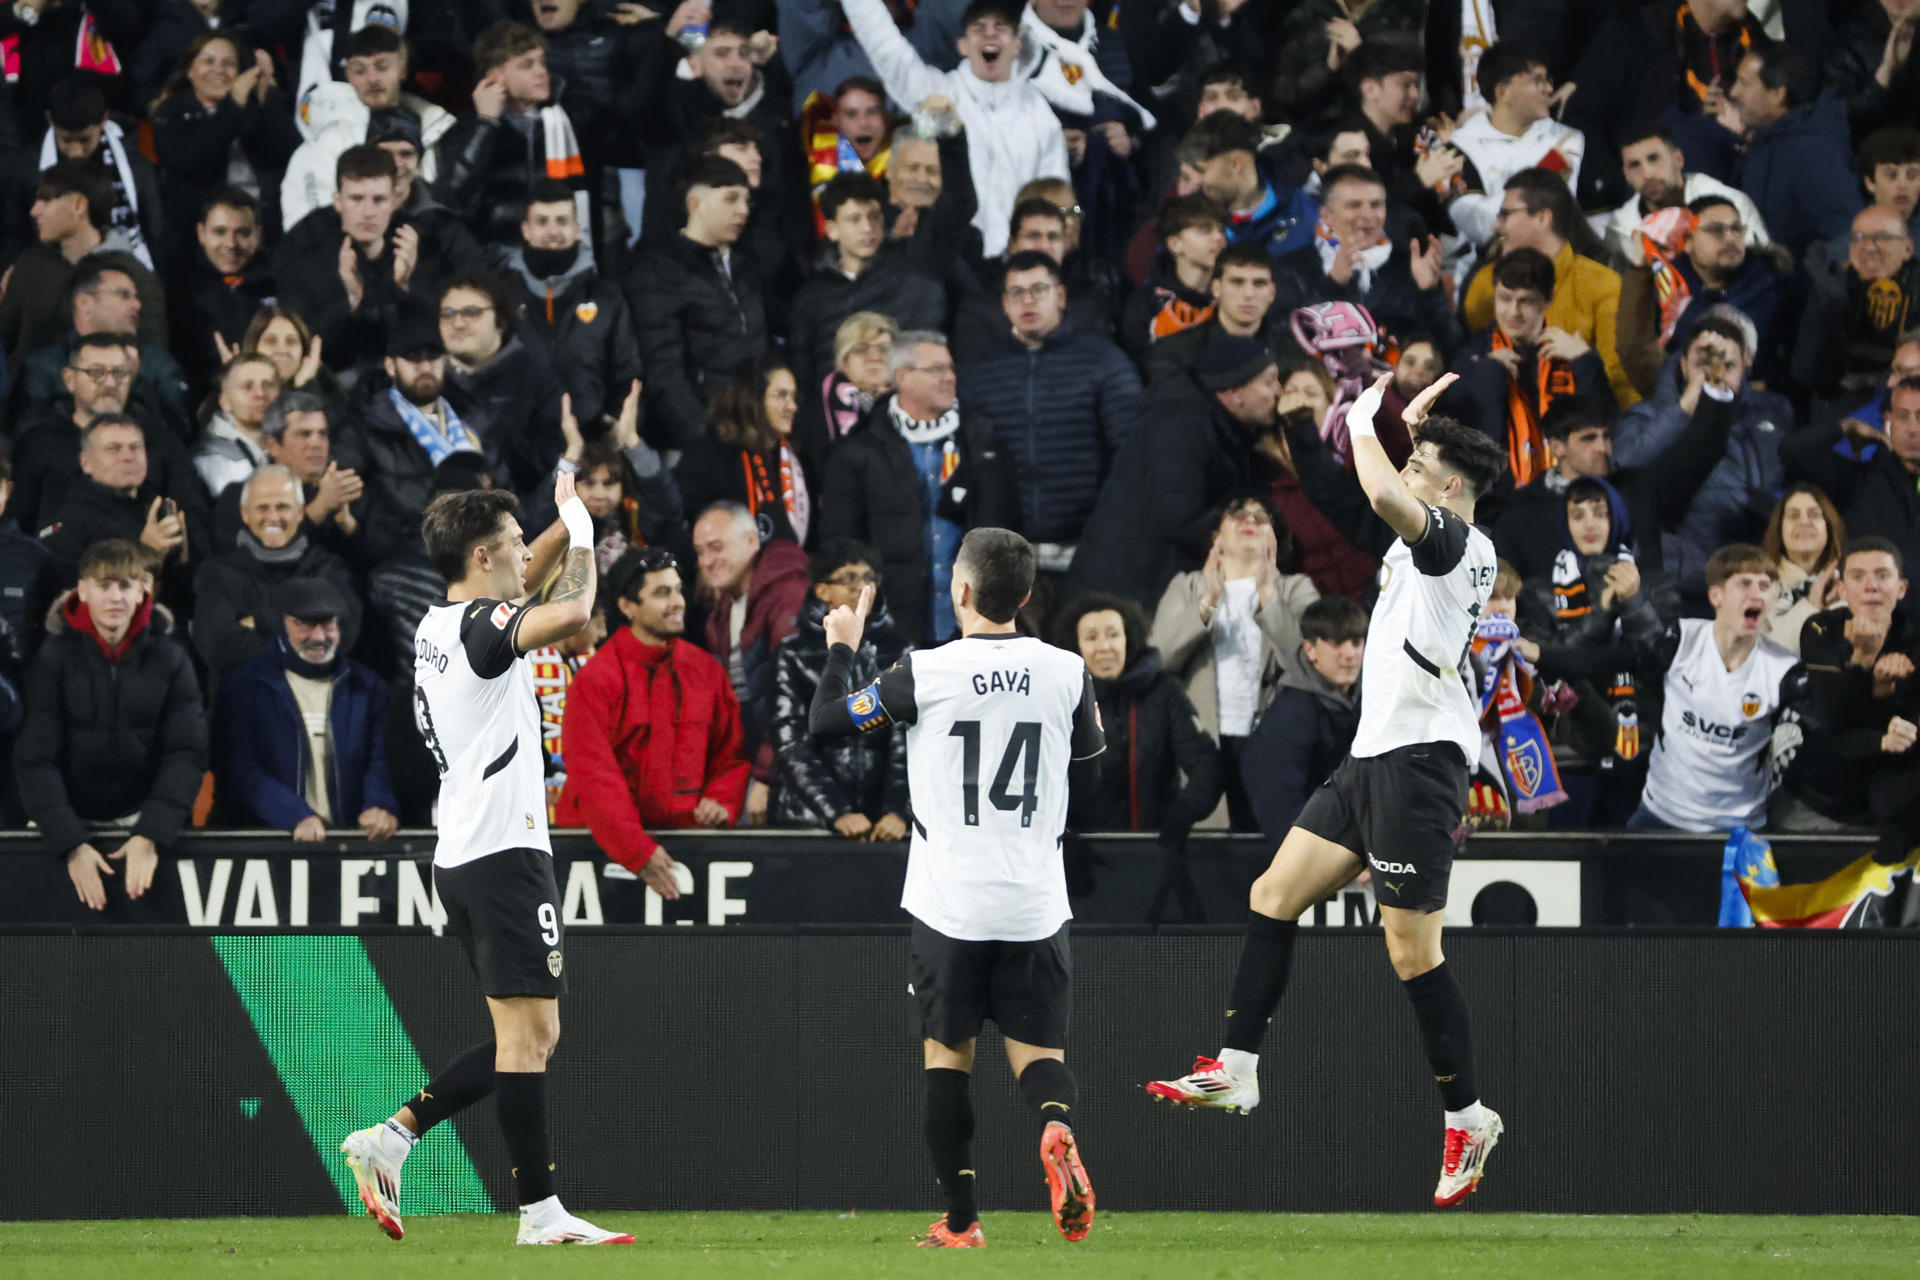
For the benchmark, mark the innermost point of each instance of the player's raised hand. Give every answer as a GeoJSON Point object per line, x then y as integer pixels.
{"type": "Point", "coordinates": [658, 873]}
{"type": "Point", "coordinates": [846, 624]}
{"type": "Point", "coordinates": [1416, 412]}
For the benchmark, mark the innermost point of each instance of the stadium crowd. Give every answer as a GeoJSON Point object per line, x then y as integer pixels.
{"type": "Point", "coordinates": [801, 292]}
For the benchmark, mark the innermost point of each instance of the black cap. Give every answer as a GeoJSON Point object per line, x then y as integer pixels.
{"type": "Point", "coordinates": [395, 124]}
{"type": "Point", "coordinates": [416, 333]}
{"type": "Point", "coordinates": [311, 600]}
{"type": "Point", "coordinates": [1230, 362]}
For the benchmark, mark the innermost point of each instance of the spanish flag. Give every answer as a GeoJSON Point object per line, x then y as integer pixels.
{"type": "Point", "coordinates": [1853, 897]}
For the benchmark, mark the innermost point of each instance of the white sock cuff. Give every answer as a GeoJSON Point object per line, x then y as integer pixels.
{"type": "Point", "coordinates": [1240, 1063]}
{"type": "Point", "coordinates": [403, 1133]}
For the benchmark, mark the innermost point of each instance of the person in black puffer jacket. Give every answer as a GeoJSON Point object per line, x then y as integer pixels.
{"type": "Point", "coordinates": [1161, 772]}
{"type": "Point", "coordinates": [115, 735]}
{"type": "Point", "coordinates": [697, 303]}
{"type": "Point", "coordinates": [856, 785]}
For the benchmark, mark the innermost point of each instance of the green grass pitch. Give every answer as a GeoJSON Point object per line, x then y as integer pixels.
{"type": "Point", "coordinates": [796, 1246]}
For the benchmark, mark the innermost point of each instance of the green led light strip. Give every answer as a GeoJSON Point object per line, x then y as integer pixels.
{"type": "Point", "coordinates": [344, 1059]}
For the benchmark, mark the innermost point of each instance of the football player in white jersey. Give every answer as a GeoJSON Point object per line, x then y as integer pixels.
{"type": "Point", "coordinates": [493, 864]}
{"type": "Point", "coordinates": [994, 722]}
{"type": "Point", "coordinates": [1394, 804]}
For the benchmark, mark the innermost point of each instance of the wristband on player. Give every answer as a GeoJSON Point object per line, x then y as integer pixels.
{"type": "Point", "coordinates": [1360, 415]}
{"type": "Point", "coordinates": [574, 514]}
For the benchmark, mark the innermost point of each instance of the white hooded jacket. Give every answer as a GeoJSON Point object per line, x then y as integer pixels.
{"type": "Point", "coordinates": [336, 119]}
{"type": "Point", "coordinates": [1013, 136]}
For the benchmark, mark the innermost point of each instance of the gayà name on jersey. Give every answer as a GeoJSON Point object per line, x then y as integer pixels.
{"type": "Point", "coordinates": [1021, 682]}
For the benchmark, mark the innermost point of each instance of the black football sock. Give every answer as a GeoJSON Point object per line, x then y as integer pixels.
{"type": "Point", "coordinates": [950, 1139]}
{"type": "Point", "coordinates": [1446, 1028]}
{"type": "Point", "coordinates": [522, 1099]}
{"type": "Point", "coordinates": [1050, 1089]}
{"type": "Point", "coordinates": [460, 1084]}
{"type": "Point", "coordinates": [1260, 981]}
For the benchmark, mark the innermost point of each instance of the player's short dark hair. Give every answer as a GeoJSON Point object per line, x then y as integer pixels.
{"type": "Point", "coordinates": [77, 101]}
{"type": "Point", "coordinates": [1503, 60]}
{"type": "Point", "coordinates": [1223, 133]}
{"type": "Point", "coordinates": [1467, 452]}
{"type": "Point", "coordinates": [1784, 67]}
{"type": "Point", "coordinates": [1897, 144]}
{"type": "Point", "coordinates": [999, 563]}
{"type": "Point", "coordinates": [1525, 269]}
{"type": "Point", "coordinates": [367, 160]}
{"type": "Point", "coordinates": [1033, 207]}
{"type": "Point", "coordinates": [1034, 260]}
{"type": "Point", "coordinates": [1869, 544]}
{"type": "Point", "coordinates": [1342, 174]}
{"type": "Point", "coordinates": [1569, 414]}
{"type": "Point", "coordinates": [727, 131]}
{"type": "Point", "coordinates": [1247, 253]}
{"type": "Point", "coordinates": [835, 554]}
{"type": "Point", "coordinates": [455, 523]}
{"type": "Point", "coordinates": [1334, 618]}
{"type": "Point", "coordinates": [502, 42]}
{"type": "Point", "coordinates": [374, 38]}
{"type": "Point", "coordinates": [1183, 213]}
{"type": "Point", "coordinates": [230, 197]}
{"type": "Point", "coordinates": [1378, 59]}
{"type": "Point", "coordinates": [76, 177]}
{"type": "Point", "coordinates": [844, 188]}
{"type": "Point", "coordinates": [1133, 620]}
{"type": "Point", "coordinates": [1736, 558]}
{"type": "Point", "coordinates": [116, 558]}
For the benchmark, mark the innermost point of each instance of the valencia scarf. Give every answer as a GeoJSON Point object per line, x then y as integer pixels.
{"type": "Point", "coordinates": [1663, 236]}
{"type": "Point", "coordinates": [562, 151]}
{"type": "Point", "coordinates": [552, 675]}
{"type": "Point", "coordinates": [1526, 443]}
{"type": "Point", "coordinates": [1065, 72]}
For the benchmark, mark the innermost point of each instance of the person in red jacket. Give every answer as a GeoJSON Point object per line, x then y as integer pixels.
{"type": "Point", "coordinates": [652, 729]}
{"type": "Point", "coordinates": [757, 583]}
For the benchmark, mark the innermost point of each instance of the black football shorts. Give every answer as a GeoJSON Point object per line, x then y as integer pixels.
{"type": "Point", "coordinates": [1025, 987]}
{"type": "Point", "coordinates": [505, 909]}
{"type": "Point", "coordinates": [1398, 812]}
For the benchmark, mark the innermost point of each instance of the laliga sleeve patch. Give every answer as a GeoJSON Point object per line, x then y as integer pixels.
{"type": "Point", "coordinates": [864, 709]}
{"type": "Point", "coordinates": [502, 615]}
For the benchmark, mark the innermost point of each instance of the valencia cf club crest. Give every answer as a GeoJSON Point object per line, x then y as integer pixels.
{"type": "Point", "coordinates": [863, 703]}
{"type": "Point", "coordinates": [586, 311]}
{"type": "Point", "coordinates": [1071, 73]}
{"type": "Point", "coordinates": [555, 962]}
{"type": "Point", "coordinates": [1749, 705]}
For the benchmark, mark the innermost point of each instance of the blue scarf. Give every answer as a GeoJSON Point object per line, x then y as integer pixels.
{"type": "Point", "coordinates": [440, 445]}
{"type": "Point", "coordinates": [1520, 740]}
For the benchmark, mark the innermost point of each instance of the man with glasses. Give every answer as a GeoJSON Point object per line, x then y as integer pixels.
{"type": "Point", "coordinates": [629, 768]}
{"type": "Point", "coordinates": [1858, 308]}
{"type": "Point", "coordinates": [99, 375]}
{"type": "Point", "coordinates": [922, 472]}
{"type": "Point", "coordinates": [103, 297]}
{"type": "Point", "coordinates": [1517, 131]}
{"type": "Point", "coordinates": [1061, 401]}
{"type": "Point", "coordinates": [503, 386]}
{"type": "Point", "coordinates": [1656, 169]}
{"type": "Point", "coordinates": [855, 785]}
{"type": "Point", "coordinates": [1718, 267]}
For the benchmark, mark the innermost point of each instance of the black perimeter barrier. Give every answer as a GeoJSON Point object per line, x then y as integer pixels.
{"type": "Point", "coordinates": [262, 880]}
{"type": "Point", "coordinates": [171, 1073]}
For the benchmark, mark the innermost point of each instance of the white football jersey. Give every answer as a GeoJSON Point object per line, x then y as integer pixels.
{"type": "Point", "coordinates": [474, 702]}
{"type": "Point", "coordinates": [992, 723]}
{"type": "Point", "coordinates": [1413, 686]}
{"type": "Point", "coordinates": [1708, 770]}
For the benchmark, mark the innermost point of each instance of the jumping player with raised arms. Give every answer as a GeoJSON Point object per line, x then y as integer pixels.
{"type": "Point", "coordinates": [1394, 804]}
